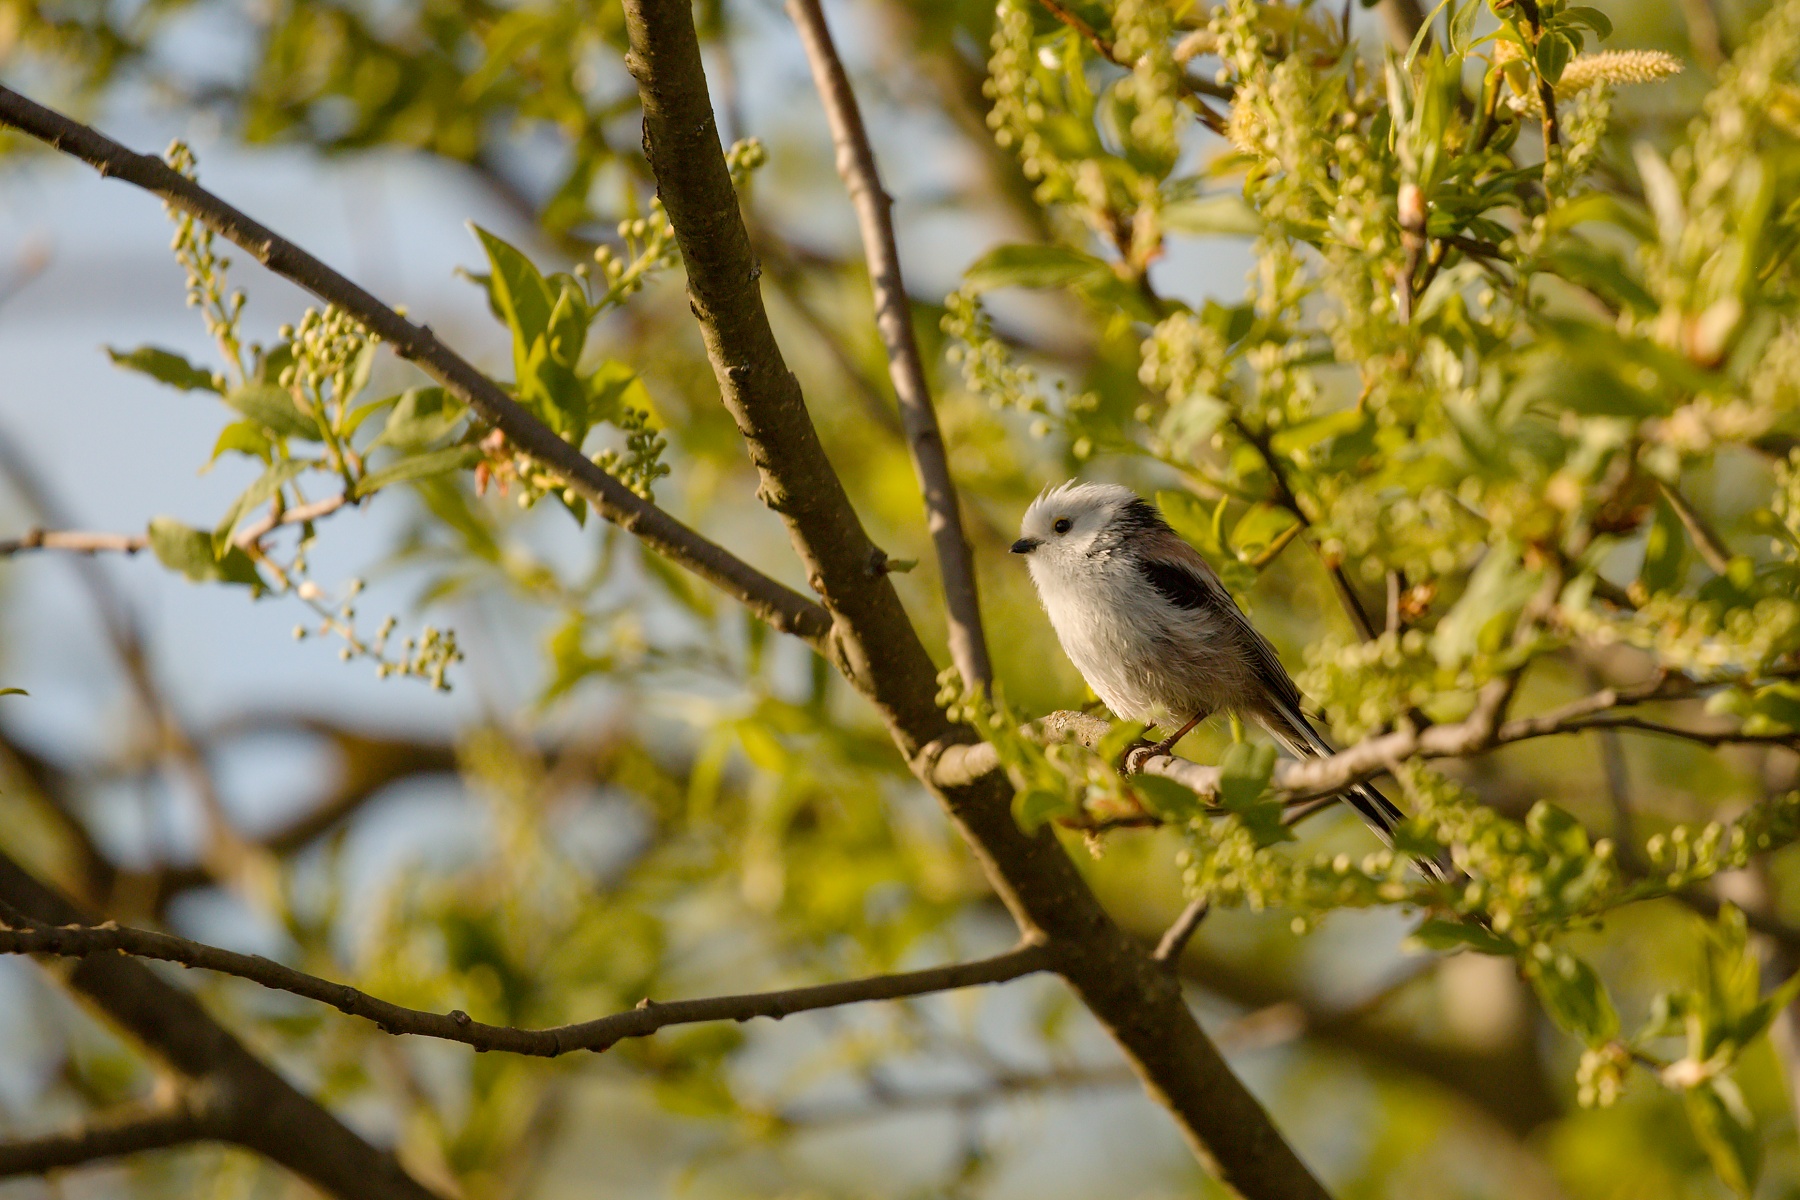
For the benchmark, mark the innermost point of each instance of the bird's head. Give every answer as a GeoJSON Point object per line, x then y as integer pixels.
{"type": "Point", "coordinates": [1070, 524]}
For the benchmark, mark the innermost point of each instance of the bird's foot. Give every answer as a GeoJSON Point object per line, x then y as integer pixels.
{"type": "Point", "coordinates": [1163, 748]}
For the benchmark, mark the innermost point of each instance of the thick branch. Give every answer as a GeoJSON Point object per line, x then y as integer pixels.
{"type": "Point", "coordinates": [893, 317]}
{"type": "Point", "coordinates": [876, 647]}
{"type": "Point", "coordinates": [775, 603]}
{"type": "Point", "coordinates": [197, 1117]}
{"type": "Point", "coordinates": [265, 1113]}
{"type": "Point", "coordinates": [87, 941]}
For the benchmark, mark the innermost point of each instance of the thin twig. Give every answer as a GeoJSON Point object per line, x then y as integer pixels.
{"type": "Point", "coordinates": [1192, 89]}
{"type": "Point", "coordinates": [81, 941]}
{"type": "Point", "coordinates": [781, 606]}
{"type": "Point", "coordinates": [74, 541]}
{"type": "Point", "coordinates": [1713, 550]}
{"type": "Point", "coordinates": [1174, 941]}
{"type": "Point", "coordinates": [82, 542]}
{"type": "Point", "coordinates": [1299, 783]}
{"type": "Point", "coordinates": [1285, 496]}
{"type": "Point", "coordinates": [906, 366]}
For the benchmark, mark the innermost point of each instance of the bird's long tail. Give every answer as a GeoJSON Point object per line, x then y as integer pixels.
{"type": "Point", "coordinates": [1291, 728]}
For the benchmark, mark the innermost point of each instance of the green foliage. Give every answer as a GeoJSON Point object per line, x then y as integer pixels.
{"type": "Point", "coordinates": [1524, 382]}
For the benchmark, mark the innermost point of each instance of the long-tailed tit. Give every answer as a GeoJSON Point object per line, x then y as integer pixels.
{"type": "Point", "coordinates": [1154, 632]}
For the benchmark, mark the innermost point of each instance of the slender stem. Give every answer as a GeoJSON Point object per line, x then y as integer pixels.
{"type": "Point", "coordinates": [906, 366]}
{"type": "Point", "coordinates": [775, 603]}
{"type": "Point", "coordinates": [1713, 550]}
{"type": "Point", "coordinates": [1174, 941]}
{"type": "Point", "coordinates": [73, 540]}
{"type": "Point", "coordinates": [1284, 496]}
{"type": "Point", "coordinates": [82, 941]}
{"type": "Point", "coordinates": [1300, 783]}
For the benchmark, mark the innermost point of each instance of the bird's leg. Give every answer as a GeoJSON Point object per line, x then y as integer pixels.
{"type": "Point", "coordinates": [1167, 745]}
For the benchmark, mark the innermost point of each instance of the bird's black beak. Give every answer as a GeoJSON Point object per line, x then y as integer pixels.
{"type": "Point", "coordinates": [1026, 545]}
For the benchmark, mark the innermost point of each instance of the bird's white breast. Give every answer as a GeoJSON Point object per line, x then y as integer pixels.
{"type": "Point", "coordinates": [1135, 650]}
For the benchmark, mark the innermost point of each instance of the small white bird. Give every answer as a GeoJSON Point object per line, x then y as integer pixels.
{"type": "Point", "coordinates": [1154, 632]}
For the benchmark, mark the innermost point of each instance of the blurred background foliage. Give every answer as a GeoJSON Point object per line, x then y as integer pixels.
{"type": "Point", "coordinates": [1564, 442]}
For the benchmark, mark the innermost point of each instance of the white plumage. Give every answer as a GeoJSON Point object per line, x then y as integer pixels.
{"type": "Point", "coordinates": [1151, 628]}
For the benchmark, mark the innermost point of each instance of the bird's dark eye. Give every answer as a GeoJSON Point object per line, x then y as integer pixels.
{"type": "Point", "coordinates": [1062, 525]}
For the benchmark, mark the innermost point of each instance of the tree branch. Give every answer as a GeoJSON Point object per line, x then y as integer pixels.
{"type": "Point", "coordinates": [74, 541]}
{"type": "Point", "coordinates": [78, 542]}
{"type": "Point", "coordinates": [88, 941]}
{"type": "Point", "coordinates": [1170, 946]}
{"type": "Point", "coordinates": [879, 652]}
{"type": "Point", "coordinates": [265, 1112]}
{"type": "Point", "coordinates": [779, 605]}
{"type": "Point", "coordinates": [906, 367]}
{"type": "Point", "coordinates": [1301, 781]}
{"type": "Point", "coordinates": [199, 1116]}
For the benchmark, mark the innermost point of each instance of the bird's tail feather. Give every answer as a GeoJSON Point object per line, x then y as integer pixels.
{"type": "Point", "coordinates": [1291, 728]}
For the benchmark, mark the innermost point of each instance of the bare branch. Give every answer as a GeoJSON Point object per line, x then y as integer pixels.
{"type": "Point", "coordinates": [78, 542]}
{"type": "Point", "coordinates": [779, 605]}
{"type": "Point", "coordinates": [875, 646]}
{"type": "Point", "coordinates": [266, 1113]}
{"type": "Point", "coordinates": [84, 941]}
{"type": "Point", "coordinates": [1299, 782]}
{"type": "Point", "coordinates": [199, 1116]}
{"type": "Point", "coordinates": [74, 541]}
{"type": "Point", "coordinates": [893, 317]}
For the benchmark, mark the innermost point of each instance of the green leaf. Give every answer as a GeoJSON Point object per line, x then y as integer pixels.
{"type": "Point", "coordinates": [1462, 26]}
{"type": "Point", "coordinates": [1257, 530]}
{"type": "Point", "coordinates": [419, 466]}
{"type": "Point", "coordinates": [1554, 49]}
{"type": "Point", "coordinates": [190, 551]}
{"type": "Point", "coordinates": [164, 366]}
{"type": "Point", "coordinates": [1665, 551]}
{"type": "Point", "coordinates": [1558, 830]}
{"type": "Point", "coordinates": [1727, 1132]}
{"type": "Point", "coordinates": [1574, 997]}
{"type": "Point", "coordinates": [1225, 214]}
{"type": "Point", "coordinates": [1593, 18]}
{"type": "Point", "coordinates": [1035, 266]}
{"type": "Point", "coordinates": [1034, 806]}
{"type": "Point", "coordinates": [1171, 801]}
{"type": "Point", "coordinates": [1442, 936]}
{"type": "Point", "coordinates": [274, 409]}
{"type": "Point", "coordinates": [263, 490]}
{"type": "Point", "coordinates": [517, 290]}
{"type": "Point", "coordinates": [244, 437]}
{"type": "Point", "coordinates": [1188, 516]}
{"type": "Point", "coordinates": [1419, 38]}
{"type": "Point", "coordinates": [1244, 792]}
{"type": "Point", "coordinates": [1482, 618]}
{"type": "Point", "coordinates": [613, 387]}
{"type": "Point", "coordinates": [420, 417]}
{"type": "Point", "coordinates": [1311, 432]}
